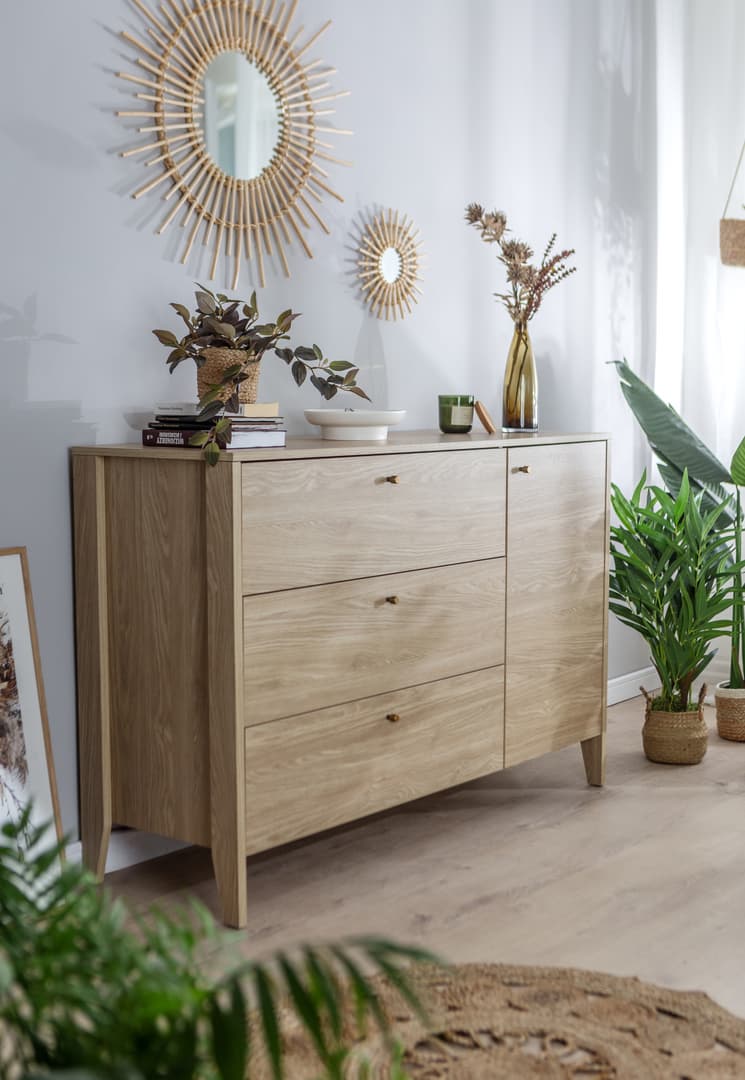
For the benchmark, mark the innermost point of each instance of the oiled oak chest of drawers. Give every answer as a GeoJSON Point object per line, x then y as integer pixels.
{"type": "Point", "coordinates": [296, 638]}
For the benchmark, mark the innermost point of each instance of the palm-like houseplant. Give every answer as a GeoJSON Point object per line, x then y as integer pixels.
{"type": "Point", "coordinates": [84, 996]}
{"type": "Point", "coordinates": [671, 581]}
{"type": "Point", "coordinates": [678, 449]}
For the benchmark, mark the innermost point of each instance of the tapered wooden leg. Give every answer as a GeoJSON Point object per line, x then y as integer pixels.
{"type": "Point", "coordinates": [94, 835]}
{"type": "Point", "coordinates": [91, 601]}
{"type": "Point", "coordinates": [230, 875]}
{"type": "Point", "coordinates": [593, 754]}
{"type": "Point", "coordinates": [225, 666]}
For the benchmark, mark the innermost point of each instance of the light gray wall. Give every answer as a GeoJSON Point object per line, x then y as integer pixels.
{"type": "Point", "coordinates": [543, 108]}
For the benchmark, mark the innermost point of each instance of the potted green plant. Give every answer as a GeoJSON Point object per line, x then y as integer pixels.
{"type": "Point", "coordinates": [227, 341]}
{"type": "Point", "coordinates": [677, 449]}
{"type": "Point", "coordinates": [88, 992]}
{"type": "Point", "coordinates": [671, 581]}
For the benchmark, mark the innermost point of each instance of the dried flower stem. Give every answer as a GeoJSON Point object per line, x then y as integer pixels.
{"type": "Point", "coordinates": [528, 283]}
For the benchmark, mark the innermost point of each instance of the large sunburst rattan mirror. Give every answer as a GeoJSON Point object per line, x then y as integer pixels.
{"type": "Point", "coordinates": [234, 122]}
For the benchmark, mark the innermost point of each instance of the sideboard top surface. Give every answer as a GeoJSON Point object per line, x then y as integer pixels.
{"type": "Point", "coordinates": [399, 442]}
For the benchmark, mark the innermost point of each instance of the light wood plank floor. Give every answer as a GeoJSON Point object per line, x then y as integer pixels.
{"type": "Point", "coordinates": [644, 877]}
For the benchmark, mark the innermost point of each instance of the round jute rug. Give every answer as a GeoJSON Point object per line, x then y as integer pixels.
{"type": "Point", "coordinates": [494, 1021]}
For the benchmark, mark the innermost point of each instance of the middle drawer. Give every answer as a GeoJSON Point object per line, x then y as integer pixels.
{"type": "Point", "coordinates": [308, 648]}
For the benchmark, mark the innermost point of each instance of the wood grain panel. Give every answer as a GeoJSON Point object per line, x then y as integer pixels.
{"type": "Point", "coordinates": [318, 770]}
{"type": "Point", "coordinates": [92, 655]}
{"type": "Point", "coordinates": [310, 522]}
{"type": "Point", "coordinates": [225, 656]}
{"type": "Point", "coordinates": [158, 643]}
{"type": "Point", "coordinates": [556, 598]}
{"type": "Point", "coordinates": [310, 648]}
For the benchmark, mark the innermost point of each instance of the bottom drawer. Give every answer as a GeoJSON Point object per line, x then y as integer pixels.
{"type": "Point", "coordinates": [320, 769]}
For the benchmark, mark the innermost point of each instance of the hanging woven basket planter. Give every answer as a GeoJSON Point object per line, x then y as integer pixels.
{"type": "Point", "coordinates": [732, 230]}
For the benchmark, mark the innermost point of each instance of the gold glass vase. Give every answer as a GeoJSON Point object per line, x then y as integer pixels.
{"type": "Point", "coordinates": [520, 393]}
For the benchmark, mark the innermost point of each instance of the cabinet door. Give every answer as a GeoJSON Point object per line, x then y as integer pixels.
{"type": "Point", "coordinates": [556, 596]}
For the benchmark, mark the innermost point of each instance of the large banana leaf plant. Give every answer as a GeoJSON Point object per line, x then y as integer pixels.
{"type": "Point", "coordinates": [679, 450]}
{"type": "Point", "coordinates": [671, 581]}
{"type": "Point", "coordinates": [88, 994]}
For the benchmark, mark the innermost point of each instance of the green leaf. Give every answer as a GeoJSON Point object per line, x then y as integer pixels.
{"type": "Point", "coordinates": [738, 465]}
{"type": "Point", "coordinates": [299, 372]}
{"type": "Point", "coordinates": [184, 313]}
{"type": "Point", "coordinates": [166, 337]}
{"type": "Point", "coordinates": [306, 1008]}
{"type": "Point", "coordinates": [319, 353]}
{"type": "Point", "coordinates": [229, 1028]}
{"type": "Point", "coordinates": [326, 990]}
{"type": "Point", "coordinates": [212, 454]}
{"type": "Point", "coordinates": [220, 329]}
{"type": "Point", "coordinates": [305, 353]}
{"type": "Point", "coordinates": [668, 434]}
{"type": "Point", "coordinates": [341, 365]}
{"type": "Point", "coordinates": [210, 397]}
{"type": "Point", "coordinates": [357, 390]}
{"type": "Point", "coordinates": [206, 302]}
{"type": "Point", "coordinates": [265, 993]}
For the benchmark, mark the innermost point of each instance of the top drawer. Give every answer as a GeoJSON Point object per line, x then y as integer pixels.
{"type": "Point", "coordinates": [321, 520]}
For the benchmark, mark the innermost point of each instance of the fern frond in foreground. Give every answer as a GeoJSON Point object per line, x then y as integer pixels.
{"type": "Point", "coordinates": [86, 992]}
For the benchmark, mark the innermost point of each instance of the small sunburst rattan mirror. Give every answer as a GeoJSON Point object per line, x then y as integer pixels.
{"type": "Point", "coordinates": [388, 263]}
{"type": "Point", "coordinates": [234, 124]}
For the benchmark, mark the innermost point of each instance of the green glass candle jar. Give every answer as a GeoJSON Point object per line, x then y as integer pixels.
{"type": "Point", "coordinates": [456, 413]}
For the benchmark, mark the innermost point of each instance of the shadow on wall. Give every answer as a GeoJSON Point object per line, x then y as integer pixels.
{"type": "Point", "coordinates": [35, 439]}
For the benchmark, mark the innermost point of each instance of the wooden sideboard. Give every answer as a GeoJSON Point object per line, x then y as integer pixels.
{"type": "Point", "coordinates": [299, 637]}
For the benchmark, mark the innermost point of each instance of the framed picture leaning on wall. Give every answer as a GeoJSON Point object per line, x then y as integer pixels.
{"type": "Point", "coordinates": [26, 765]}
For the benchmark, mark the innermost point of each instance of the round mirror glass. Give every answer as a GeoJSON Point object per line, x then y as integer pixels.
{"type": "Point", "coordinates": [390, 265]}
{"type": "Point", "coordinates": [241, 117]}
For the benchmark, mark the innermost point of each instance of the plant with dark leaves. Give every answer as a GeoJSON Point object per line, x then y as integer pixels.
{"type": "Point", "coordinates": [87, 992]}
{"type": "Point", "coordinates": [220, 322]}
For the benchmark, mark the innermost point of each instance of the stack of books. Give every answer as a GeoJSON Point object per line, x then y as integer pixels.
{"type": "Point", "coordinates": [252, 427]}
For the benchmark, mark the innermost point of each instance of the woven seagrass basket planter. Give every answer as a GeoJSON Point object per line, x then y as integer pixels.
{"type": "Point", "coordinates": [675, 738]}
{"type": "Point", "coordinates": [730, 713]}
{"type": "Point", "coordinates": [732, 241]}
{"type": "Point", "coordinates": [217, 361]}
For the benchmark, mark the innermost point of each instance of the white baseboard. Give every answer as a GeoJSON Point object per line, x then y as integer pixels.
{"type": "Point", "coordinates": [624, 687]}
{"type": "Point", "coordinates": [129, 848]}
{"type": "Point", "coordinates": [132, 847]}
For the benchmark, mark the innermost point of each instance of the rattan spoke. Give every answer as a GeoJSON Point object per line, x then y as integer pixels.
{"type": "Point", "coordinates": [380, 234]}
{"type": "Point", "coordinates": [181, 38]}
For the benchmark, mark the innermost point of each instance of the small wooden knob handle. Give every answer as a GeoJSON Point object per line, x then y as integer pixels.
{"type": "Point", "coordinates": [393, 717]}
{"type": "Point", "coordinates": [393, 479]}
{"type": "Point", "coordinates": [525, 468]}
{"type": "Point", "coordinates": [392, 600]}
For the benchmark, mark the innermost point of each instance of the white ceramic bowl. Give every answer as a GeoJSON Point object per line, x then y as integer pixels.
{"type": "Point", "coordinates": [354, 424]}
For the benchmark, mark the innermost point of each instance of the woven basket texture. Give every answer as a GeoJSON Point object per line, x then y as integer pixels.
{"type": "Point", "coordinates": [216, 361]}
{"type": "Point", "coordinates": [731, 717]}
{"type": "Point", "coordinates": [732, 241]}
{"type": "Point", "coordinates": [674, 738]}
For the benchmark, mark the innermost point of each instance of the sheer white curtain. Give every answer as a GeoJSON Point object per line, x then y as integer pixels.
{"type": "Point", "coordinates": [699, 358]}
{"type": "Point", "coordinates": [699, 362]}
